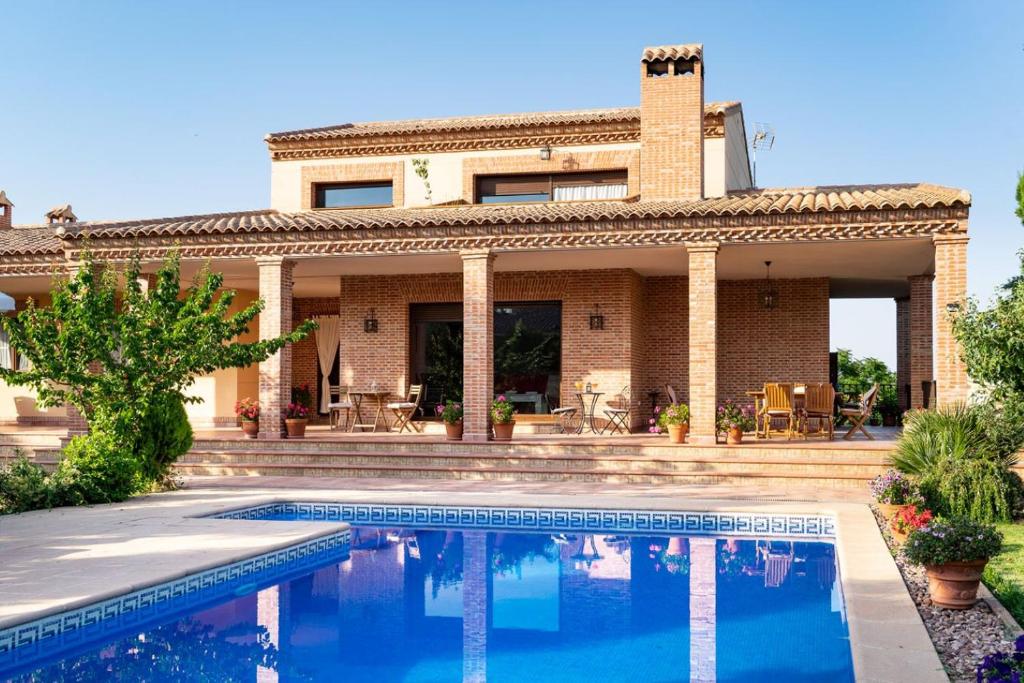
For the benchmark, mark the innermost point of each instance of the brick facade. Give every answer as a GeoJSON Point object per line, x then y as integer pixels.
{"type": "Point", "coordinates": [478, 342]}
{"type": "Point", "coordinates": [344, 173]}
{"type": "Point", "coordinates": [950, 290]}
{"type": "Point", "coordinates": [920, 337]}
{"type": "Point", "coordinates": [672, 134]}
{"type": "Point", "coordinates": [703, 336]}
{"type": "Point", "coordinates": [275, 281]}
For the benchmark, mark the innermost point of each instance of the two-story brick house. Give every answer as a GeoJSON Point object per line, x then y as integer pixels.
{"type": "Point", "coordinates": [617, 247]}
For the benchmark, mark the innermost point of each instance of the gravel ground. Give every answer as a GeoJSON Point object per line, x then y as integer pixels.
{"type": "Point", "coordinates": [961, 637]}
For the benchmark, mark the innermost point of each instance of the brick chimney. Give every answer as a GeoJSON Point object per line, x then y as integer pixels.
{"type": "Point", "coordinates": [6, 212]}
{"type": "Point", "coordinates": [61, 214]}
{"type": "Point", "coordinates": [672, 122]}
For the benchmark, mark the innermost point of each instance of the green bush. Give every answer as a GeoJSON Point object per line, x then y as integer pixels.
{"type": "Point", "coordinates": [164, 436]}
{"type": "Point", "coordinates": [24, 486]}
{"type": "Point", "coordinates": [96, 469]}
{"type": "Point", "coordinates": [981, 489]}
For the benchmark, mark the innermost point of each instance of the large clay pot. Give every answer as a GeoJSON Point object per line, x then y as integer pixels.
{"type": "Point", "coordinates": [453, 432]}
{"type": "Point", "coordinates": [954, 585]}
{"type": "Point", "coordinates": [296, 428]}
{"type": "Point", "coordinates": [503, 431]}
{"type": "Point", "coordinates": [888, 510]}
{"type": "Point", "coordinates": [734, 436]}
{"type": "Point", "coordinates": [899, 537]}
{"type": "Point", "coordinates": [677, 433]}
{"type": "Point", "coordinates": [251, 428]}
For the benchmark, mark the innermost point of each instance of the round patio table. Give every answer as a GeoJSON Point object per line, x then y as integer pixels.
{"type": "Point", "coordinates": [587, 414]}
{"type": "Point", "coordinates": [379, 418]}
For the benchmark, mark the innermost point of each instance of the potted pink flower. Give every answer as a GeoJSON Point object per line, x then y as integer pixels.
{"type": "Point", "coordinates": [954, 553]}
{"type": "Point", "coordinates": [675, 419]}
{"type": "Point", "coordinates": [734, 420]}
{"type": "Point", "coordinates": [503, 417]}
{"type": "Point", "coordinates": [248, 412]}
{"type": "Point", "coordinates": [451, 414]}
{"type": "Point", "coordinates": [295, 419]}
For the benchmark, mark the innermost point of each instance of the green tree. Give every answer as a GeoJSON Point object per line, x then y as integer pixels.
{"type": "Point", "coordinates": [115, 353]}
{"type": "Point", "coordinates": [856, 375]}
{"type": "Point", "coordinates": [1020, 197]}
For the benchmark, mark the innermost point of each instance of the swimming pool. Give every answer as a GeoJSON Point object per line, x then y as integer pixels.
{"type": "Point", "coordinates": [441, 593]}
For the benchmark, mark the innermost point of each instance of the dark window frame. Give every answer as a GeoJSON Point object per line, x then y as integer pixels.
{"type": "Point", "coordinates": [534, 184]}
{"type": "Point", "coordinates": [320, 188]}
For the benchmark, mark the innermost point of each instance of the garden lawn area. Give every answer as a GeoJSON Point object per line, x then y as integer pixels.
{"type": "Point", "coordinates": [1004, 574]}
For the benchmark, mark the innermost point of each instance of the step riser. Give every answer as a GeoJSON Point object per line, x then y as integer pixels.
{"type": "Point", "coordinates": [490, 475]}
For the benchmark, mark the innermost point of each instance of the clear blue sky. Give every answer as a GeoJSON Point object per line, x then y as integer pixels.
{"type": "Point", "coordinates": [135, 109]}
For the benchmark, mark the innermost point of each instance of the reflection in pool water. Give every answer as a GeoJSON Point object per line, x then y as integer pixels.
{"type": "Point", "coordinates": [447, 605]}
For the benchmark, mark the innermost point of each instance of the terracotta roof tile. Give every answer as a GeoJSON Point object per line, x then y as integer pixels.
{"type": "Point", "coordinates": [757, 202]}
{"type": "Point", "coordinates": [654, 54]}
{"type": "Point", "coordinates": [30, 240]}
{"type": "Point", "coordinates": [488, 122]}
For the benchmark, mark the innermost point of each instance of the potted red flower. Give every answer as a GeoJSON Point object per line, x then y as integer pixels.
{"type": "Point", "coordinates": [503, 417]}
{"type": "Point", "coordinates": [908, 518]}
{"type": "Point", "coordinates": [248, 412]}
{"type": "Point", "coordinates": [954, 553]}
{"type": "Point", "coordinates": [451, 414]}
{"type": "Point", "coordinates": [295, 419]}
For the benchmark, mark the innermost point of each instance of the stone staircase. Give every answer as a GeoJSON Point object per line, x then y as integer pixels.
{"type": "Point", "coordinates": [844, 466]}
{"type": "Point", "coordinates": [42, 447]}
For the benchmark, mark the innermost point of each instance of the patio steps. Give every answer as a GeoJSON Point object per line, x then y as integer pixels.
{"type": "Point", "coordinates": [832, 468]}
{"type": "Point", "coordinates": [40, 447]}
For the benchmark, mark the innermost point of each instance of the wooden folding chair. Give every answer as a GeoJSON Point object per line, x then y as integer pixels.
{"type": "Point", "coordinates": [405, 410]}
{"type": "Point", "coordinates": [671, 393]}
{"type": "Point", "coordinates": [618, 413]}
{"type": "Point", "coordinates": [338, 403]}
{"type": "Point", "coordinates": [859, 414]}
{"type": "Point", "coordinates": [779, 404]}
{"type": "Point", "coordinates": [819, 404]}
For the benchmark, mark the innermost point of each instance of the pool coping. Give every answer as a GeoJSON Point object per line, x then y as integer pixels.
{"type": "Point", "coordinates": [888, 640]}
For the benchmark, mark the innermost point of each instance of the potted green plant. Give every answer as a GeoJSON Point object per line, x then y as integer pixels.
{"type": "Point", "coordinates": [675, 419]}
{"type": "Point", "coordinates": [954, 553]}
{"type": "Point", "coordinates": [893, 491]}
{"type": "Point", "coordinates": [734, 420]}
{"type": "Point", "coordinates": [503, 417]}
{"type": "Point", "coordinates": [248, 412]}
{"type": "Point", "coordinates": [295, 419]}
{"type": "Point", "coordinates": [451, 414]}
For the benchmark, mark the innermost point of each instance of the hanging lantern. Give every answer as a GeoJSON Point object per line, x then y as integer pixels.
{"type": "Point", "coordinates": [769, 295]}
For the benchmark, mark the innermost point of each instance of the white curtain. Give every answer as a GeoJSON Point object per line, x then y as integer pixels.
{"type": "Point", "coordinates": [578, 192]}
{"type": "Point", "coordinates": [327, 341]}
{"type": "Point", "coordinates": [5, 350]}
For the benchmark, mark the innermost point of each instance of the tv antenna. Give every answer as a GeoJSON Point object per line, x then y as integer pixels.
{"type": "Point", "coordinates": [763, 140]}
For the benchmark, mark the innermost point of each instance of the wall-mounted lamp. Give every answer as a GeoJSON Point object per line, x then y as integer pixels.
{"type": "Point", "coordinates": [596, 319]}
{"type": "Point", "coordinates": [769, 295]}
{"type": "Point", "coordinates": [953, 307]}
{"type": "Point", "coordinates": [370, 322]}
{"type": "Point", "coordinates": [545, 153]}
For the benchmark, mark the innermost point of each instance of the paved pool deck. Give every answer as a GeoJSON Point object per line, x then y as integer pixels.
{"type": "Point", "coordinates": [52, 561]}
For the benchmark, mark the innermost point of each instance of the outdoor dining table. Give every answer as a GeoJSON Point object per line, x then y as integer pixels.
{"type": "Point", "coordinates": [587, 412]}
{"type": "Point", "coordinates": [380, 399]}
{"type": "Point", "coordinates": [758, 396]}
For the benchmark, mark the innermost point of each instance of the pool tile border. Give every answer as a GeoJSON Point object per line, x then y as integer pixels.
{"type": "Point", "coordinates": [20, 642]}
{"type": "Point", "coordinates": [560, 519]}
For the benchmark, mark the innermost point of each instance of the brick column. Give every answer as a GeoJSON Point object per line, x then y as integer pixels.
{"type": "Point", "coordinates": [477, 342]}
{"type": "Point", "coordinates": [703, 340]}
{"type": "Point", "coordinates": [475, 600]}
{"type": "Point", "coordinates": [703, 612]}
{"type": "Point", "coordinates": [902, 350]}
{"type": "Point", "coordinates": [275, 320]}
{"type": "Point", "coordinates": [920, 337]}
{"type": "Point", "coordinates": [268, 615]}
{"type": "Point", "coordinates": [950, 291]}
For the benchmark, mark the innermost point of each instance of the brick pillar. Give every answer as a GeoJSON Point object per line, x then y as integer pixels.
{"type": "Point", "coordinates": [477, 342]}
{"type": "Point", "coordinates": [475, 600]}
{"type": "Point", "coordinates": [920, 337]}
{"type": "Point", "coordinates": [275, 320]}
{"type": "Point", "coordinates": [703, 340]}
{"type": "Point", "coordinates": [268, 615]}
{"type": "Point", "coordinates": [902, 350]}
{"type": "Point", "coordinates": [950, 291]}
{"type": "Point", "coordinates": [703, 613]}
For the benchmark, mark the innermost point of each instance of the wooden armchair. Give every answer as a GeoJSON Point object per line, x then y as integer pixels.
{"type": "Point", "coordinates": [859, 414]}
{"type": "Point", "coordinates": [819, 404]}
{"type": "Point", "coordinates": [779, 404]}
{"type": "Point", "coordinates": [405, 410]}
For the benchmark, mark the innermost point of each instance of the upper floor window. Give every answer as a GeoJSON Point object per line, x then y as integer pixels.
{"type": "Point", "coordinates": [352, 195]}
{"type": "Point", "coordinates": [546, 187]}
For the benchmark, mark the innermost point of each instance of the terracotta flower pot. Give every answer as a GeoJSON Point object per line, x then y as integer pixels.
{"type": "Point", "coordinates": [900, 537]}
{"type": "Point", "coordinates": [677, 433]}
{"type": "Point", "coordinates": [888, 510]}
{"type": "Point", "coordinates": [453, 431]}
{"type": "Point", "coordinates": [734, 436]}
{"type": "Point", "coordinates": [251, 428]}
{"type": "Point", "coordinates": [296, 428]}
{"type": "Point", "coordinates": [954, 585]}
{"type": "Point", "coordinates": [503, 431]}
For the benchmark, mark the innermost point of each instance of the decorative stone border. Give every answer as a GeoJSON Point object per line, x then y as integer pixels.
{"type": "Point", "coordinates": [29, 641]}
{"type": "Point", "coordinates": [549, 519]}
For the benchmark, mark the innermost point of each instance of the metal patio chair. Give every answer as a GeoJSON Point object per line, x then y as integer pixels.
{"type": "Point", "coordinates": [618, 413]}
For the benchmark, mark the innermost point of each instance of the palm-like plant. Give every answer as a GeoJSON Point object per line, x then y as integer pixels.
{"type": "Point", "coordinates": [955, 431]}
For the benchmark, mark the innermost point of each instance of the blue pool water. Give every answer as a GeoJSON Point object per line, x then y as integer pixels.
{"type": "Point", "coordinates": [406, 604]}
